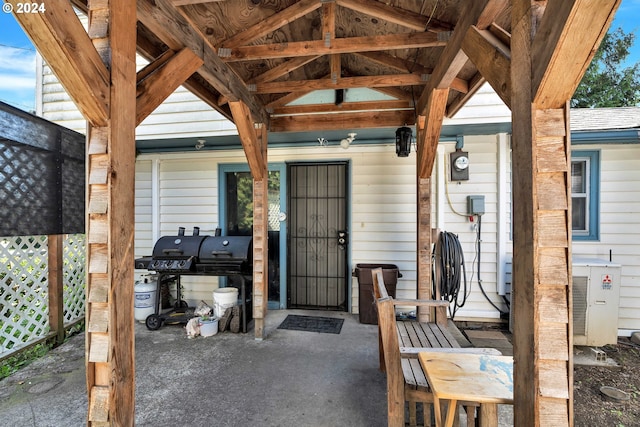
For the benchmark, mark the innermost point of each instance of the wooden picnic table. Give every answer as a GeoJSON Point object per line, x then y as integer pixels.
{"type": "Point", "coordinates": [483, 378]}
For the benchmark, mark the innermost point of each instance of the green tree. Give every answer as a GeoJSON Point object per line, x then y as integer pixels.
{"type": "Point", "coordinates": [607, 83]}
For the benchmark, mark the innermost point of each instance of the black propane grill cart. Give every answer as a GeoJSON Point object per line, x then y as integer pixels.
{"type": "Point", "coordinates": [199, 255]}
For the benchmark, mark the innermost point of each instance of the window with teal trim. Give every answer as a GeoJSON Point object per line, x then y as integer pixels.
{"type": "Point", "coordinates": [585, 195]}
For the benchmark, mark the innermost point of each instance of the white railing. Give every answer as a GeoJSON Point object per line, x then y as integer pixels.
{"type": "Point", "coordinates": [24, 294]}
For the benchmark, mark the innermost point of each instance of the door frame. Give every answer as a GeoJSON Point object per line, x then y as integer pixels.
{"type": "Point", "coordinates": [223, 169]}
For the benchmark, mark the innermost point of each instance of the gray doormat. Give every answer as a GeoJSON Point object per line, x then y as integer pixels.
{"type": "Point", "coordinates": [326, 325]}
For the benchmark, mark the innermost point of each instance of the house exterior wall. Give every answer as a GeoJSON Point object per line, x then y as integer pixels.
{"type": "Point", "coordinates": [619, 225]}
{"type": "Point", "coordinates": [382, 214]}
{"type": "Point", "coordinates": [180, 189]}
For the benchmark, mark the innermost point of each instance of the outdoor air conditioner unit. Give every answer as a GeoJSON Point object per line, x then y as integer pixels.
{"type": "Point", "coordinates": [596, 298]}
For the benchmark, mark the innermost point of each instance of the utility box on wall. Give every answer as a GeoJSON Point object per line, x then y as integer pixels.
{"type": "Point", "coordinates": [596, 301]}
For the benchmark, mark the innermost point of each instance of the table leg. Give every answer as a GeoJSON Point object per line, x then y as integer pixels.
{"type": "Point", "coordinates": [437, 411]}
{"type": "Point", "coordinates": [451, 413]}
{"type": "Point", "coordinates": [488, 415]}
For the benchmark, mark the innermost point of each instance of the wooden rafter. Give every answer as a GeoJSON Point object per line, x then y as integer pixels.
{"type": "Point", "coordinates": [406, 18]}
{"type": "Point", "coordinates": [564, 46]}
{"type": "Point", "coordinates": [272, 23]}
{"type": "Point", "coordinates": [492, 58]}
{"type": "Point", "coordinates": [343, 83]}
{"type": "Point", "coordinates": [475, 83]}
{"type": "Point", "coordinates": [347, 120]}
{"type": "Point", "coordinates": [64, 44]}
{"type": "Point", "coordinates": [480, 13]}
{"type": "Point", "coordinates": [400, 64]}
{"type": "Point", "coordinates": [286, 99]}
{"type": "Point", "coordinates": [167, 73]}
{"type": "Point", "coordinates": [245, 124]}
{"type": "Point", "coordinates": [188, 2]}
{"type": "Point", "coordinates": [429, 136]}
{"type": "Point", "coordinates": [339, 45]}
{"type": "Point", "coordinates": [176, 32]}
{"type": "Point", "coordinates": [347, 106]}
{"type": "Point", "coordinates": [277, 72]}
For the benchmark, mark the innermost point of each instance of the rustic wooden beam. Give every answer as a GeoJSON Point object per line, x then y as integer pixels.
{"type": "Point", "coordinates": [329, 34]}
{"type": "Point", "coordinates": [475, 83]}
{"type": "Point", "coordinates": [189, 2]}
{"type": "Point", "coordinates": [170, 26]}
{"type": "Point", "coordinates": [110, 210]}
{"type": "Point", "coordinates": [430, 135]}
{"type": "Point", "coordinates": [395, 92]}
{"type": "Point", "coordinates": [286, 99]}
{"type": "Point", "coordinates": [277, 72]}
{"type": "Point", "coordinates": [492, 58]}
{"type": "Point", "coordinates": [424, 241]}
{"type": "Point", "coordinates": [340, 45]}
{"type": "Point", "coordinates": [343, 83]}
{"type": "Point", "coordinates": [252, 150]}
{"type": "Point", "coordinates": [65, 45]}
{"type": "Point", "coordinates": [346, 106]}
{"type": "Point", "coordinates": [167, 75]}
{"type": "Point", "coordinates": [396, 15]}
{"type": "Point", "coordinates": [349, 120]}
{"type": "Point", "coordinates": [55, 286]}
{"type": "Point", "coordinates": [261, 240]}
{"type": "Point", "coordinates": [195, 84]}
{"type": "Point", "coordinates": [480, 13]}
{"type": "Point", "coordinates": [543, 384]}
{"type": "Point", "coordinates": [400, 64]}
{"type": "Point", "coordinates": [564, 46]}
{"type": "Point", "coordinates": [272, 23]}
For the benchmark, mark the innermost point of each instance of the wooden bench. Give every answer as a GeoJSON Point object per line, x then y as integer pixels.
{"type": "Point", "coordinates": [399, 344]}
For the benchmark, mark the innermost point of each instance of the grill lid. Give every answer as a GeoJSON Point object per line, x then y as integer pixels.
{"type": "Point", "coordinates": [226, 249]}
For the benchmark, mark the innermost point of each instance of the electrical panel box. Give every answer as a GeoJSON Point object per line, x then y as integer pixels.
{"type": "Point", "coordinates": [475, 205]}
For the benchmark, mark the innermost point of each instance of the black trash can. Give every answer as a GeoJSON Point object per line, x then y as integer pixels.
{"type": "Point", "coordinates": [366, 304]}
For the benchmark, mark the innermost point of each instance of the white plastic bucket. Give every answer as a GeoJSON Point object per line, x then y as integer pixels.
{"type": "Point", "coordinates": [208, 327]}
{"type": "Point", "coordinates": [144, 299]}
{"type": "Point", "coordinates": [224, 298]}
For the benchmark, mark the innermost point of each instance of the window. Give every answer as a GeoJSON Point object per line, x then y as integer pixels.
{"type": "Point", "coordinates": [585, 195]}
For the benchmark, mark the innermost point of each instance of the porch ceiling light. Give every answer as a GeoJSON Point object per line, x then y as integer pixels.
{"type": "Point", "coordinates": [348, 140]}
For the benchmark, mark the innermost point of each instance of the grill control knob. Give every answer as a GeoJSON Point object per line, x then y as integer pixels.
{"type": "Point", "coordinates": [225, 243]}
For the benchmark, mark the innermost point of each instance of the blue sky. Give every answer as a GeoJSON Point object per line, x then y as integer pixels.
{"type": "Point", "coordinates": [17, 55]}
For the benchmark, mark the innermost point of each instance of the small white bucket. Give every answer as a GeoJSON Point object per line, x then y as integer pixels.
{"type": "Point", "coordinates": [224, 298]}
{"type": "Point", "coordinates": [144, 299]}
{"type": "Point", "coordinates": [208, 327]}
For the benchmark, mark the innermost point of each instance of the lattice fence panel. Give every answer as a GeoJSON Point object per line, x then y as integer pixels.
{"type": "Point", "coordinates": [74, 276]}
{"type": "Point", "coordinates": [23, 291]}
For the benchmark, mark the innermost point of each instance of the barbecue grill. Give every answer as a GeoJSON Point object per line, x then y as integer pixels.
{"type": "Point", "coordinates": [206, 255]}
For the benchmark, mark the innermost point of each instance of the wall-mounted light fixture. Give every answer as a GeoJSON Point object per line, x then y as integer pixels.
{"type": "Point", "coordinates": [348, 140]}
{"type": "Point", "coordinates": [403, 141]}
{"type": "Point", "coordinates": [200, 144]}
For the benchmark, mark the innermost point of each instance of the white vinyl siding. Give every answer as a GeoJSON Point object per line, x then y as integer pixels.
{"type": "Point", "coordinates": [382, 214]}
{"type": "Point", "coordinates": [619, 225]}
{"type": "Point", "coordinates": [181, 115]}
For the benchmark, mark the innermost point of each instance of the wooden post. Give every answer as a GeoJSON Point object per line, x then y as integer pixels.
{"type": "Point", "coordinates": [260, 241]}
{"type": "Point", "coordinates": [110, 210]}
{"type": "Point", "coordinates": [56, 287]}
{"type": "Point", "coordinates": [542, 235]}
{"type": "Point", "coordinates": [424, 246]}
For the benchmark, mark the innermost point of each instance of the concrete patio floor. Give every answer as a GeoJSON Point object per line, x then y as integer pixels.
{"type": "Point", "coordinates": [291, 378]}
